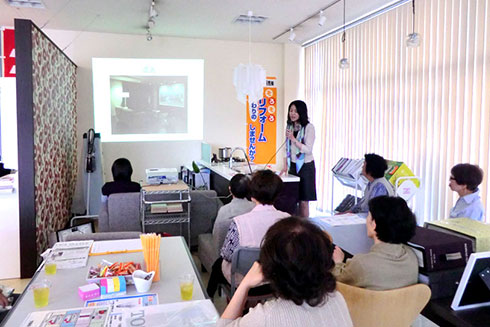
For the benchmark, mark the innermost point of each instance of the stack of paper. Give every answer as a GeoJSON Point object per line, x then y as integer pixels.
{"type": "Point", "coordinates": [68, 255]}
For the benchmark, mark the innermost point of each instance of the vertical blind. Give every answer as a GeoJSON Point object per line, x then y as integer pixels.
{"type": "Point", "coordinates": [428, 106]}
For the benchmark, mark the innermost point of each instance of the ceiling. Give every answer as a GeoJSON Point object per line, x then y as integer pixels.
{"type": "Point", "coordinates": [211, 19]}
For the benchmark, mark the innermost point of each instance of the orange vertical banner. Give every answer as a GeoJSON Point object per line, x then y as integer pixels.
{"type": "Point", "coordinates": [262, 126]}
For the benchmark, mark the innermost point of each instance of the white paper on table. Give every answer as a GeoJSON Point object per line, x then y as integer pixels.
{"type": "Point", "coordinates": [116, 246]}
{"type": "Point", "coordinates": [183, 314]}
{"type": "Point", "coordinates": [68, 255]}
{"type": "Point", "coordinates": [344, 219]}
{"type": "Point", "coordinates": [56, 317]}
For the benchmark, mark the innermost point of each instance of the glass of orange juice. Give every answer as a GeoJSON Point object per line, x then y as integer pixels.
{"type": "Point", "coordinates": [40, 290]}
{"type": "Point", "coordinates": [186, 286]}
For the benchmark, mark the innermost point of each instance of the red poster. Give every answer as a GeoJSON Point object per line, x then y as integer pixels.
{"type": "Point", "coordinates": [8, 52]}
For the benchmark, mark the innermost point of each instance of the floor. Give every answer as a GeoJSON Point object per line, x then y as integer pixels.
{"type": "Point", "coordinates": [219, 301]}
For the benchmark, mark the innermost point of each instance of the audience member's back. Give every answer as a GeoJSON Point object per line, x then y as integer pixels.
{"type": "Point", "coordinates": [239, 205]}
{"type": "Point", "coordinates": [390, 263]}
{"type": "Point", "coordinates": [121, 173]}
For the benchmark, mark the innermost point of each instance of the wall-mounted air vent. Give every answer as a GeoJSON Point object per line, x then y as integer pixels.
{"type": "Point", "coordinates": [245, 19]}
{"type": "Point", "coordinates": [38, 4]}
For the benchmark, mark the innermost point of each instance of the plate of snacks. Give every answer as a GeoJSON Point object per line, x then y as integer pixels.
{"type": "Point", "coordinates": [108, 269]}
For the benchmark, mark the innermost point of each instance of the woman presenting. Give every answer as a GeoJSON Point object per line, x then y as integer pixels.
{"type": "Point", "coordinates": [300, 134]}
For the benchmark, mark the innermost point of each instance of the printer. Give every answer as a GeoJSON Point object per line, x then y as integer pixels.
{"type": "Point", "coordinates": [162, 176]}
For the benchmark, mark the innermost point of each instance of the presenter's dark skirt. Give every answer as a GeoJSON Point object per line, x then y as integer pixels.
{"type": "Point", "coordinates": [307, 184]}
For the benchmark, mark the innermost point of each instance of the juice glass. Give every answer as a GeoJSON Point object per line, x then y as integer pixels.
{"type": "Point", "coordinates": [186, 286]}
{"type": "Point", "coordinates": [50, 268]}
{"type": "Point", "coordinates": [40, 290]}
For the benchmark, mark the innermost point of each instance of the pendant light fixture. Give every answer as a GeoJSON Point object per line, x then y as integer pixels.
{"type": "Point", "coordinates": [249, 79]}
{"type": "Point", "coordinates": [344, 62]}
{"type": "Point", "coordinates": [413, 39]}
{"type": "Point", "coordinates": [322, 19]}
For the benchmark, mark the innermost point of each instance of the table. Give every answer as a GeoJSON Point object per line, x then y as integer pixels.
{"type": "Point", "coordinates": [353, 240]}
{"type": "Point", "coordinates": [175, 260]}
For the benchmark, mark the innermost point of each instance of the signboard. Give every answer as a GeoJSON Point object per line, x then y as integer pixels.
{"type": "Point", "coordinates": [261, 126]}
{"type": "Point", "coordinates": [7, 52]}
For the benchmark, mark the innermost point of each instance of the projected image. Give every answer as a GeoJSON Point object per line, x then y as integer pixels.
{"type": "Point", "coordinates": [148, 104]}
{"type": "Point", "coordinates": [148, 99]}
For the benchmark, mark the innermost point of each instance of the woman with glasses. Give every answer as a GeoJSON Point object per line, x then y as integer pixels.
{"type": "Point", "coordinates": [464, 180]}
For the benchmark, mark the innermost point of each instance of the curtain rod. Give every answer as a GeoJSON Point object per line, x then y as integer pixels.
{"type": "Point", "coordinates": [360, 20]}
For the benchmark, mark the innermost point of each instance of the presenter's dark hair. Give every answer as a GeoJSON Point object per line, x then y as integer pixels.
{"type": "Point", "coordinates": [122, 170]}
{"type": "Point", "coordinates": [240, 186]}
{"type": "Point", "coordinates": [302, 112]}
{"type": "Point", "coordinates": [375, 165]}
{"type": "Point", "coordinates": [265, 186]}
{"type": "Point", "coordinates": [467, 174]}
{"type": "Point", "coordinates": [296, 258]}
{"type": "Point", "coordinates": [395, 222]}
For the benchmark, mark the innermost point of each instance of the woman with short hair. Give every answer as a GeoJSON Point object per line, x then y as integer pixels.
{"type": "Point", "coordinates": [464, 180]}
{"type": "Point", "coordinates": [390, 263]}
{"type": "Point", "coordinates": [296, 259]}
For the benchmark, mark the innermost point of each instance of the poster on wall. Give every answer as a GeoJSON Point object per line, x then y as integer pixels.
{"type": "Point", "coordinates": [261, 125]}
{"type": "Point", "coordinates": [7, 52]}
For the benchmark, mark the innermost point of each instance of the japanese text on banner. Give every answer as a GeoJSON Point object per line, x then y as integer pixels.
{"type": "Point", "coordinates": [261, 125]}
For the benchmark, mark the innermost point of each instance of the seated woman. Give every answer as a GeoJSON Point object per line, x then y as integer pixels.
{"type": "Point", "coordinates": [240, 191]}
{"type": "Point", "coordinates": [296, 259]}
{"type": "Point", "coordinates": [121, 172]}
{"type": "Point", "coordinates": [248, 229]}
{"type": "Point", "coordinates": [464, 180]}
{"type": "Point", "coordinates": [390, 263]}
{"type": "Point", "coordinates": [374, 170]}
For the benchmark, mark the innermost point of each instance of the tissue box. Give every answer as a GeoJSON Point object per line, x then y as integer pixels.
{"type": "Point", "coordinates": [89, 291]}
{"type": "Point", "coordinates": [113, 286]}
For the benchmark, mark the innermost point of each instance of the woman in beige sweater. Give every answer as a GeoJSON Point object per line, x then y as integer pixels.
{"type": "Point", "coordinates": [296, 259]}
{"type": "Point", "coordinates": [390, 263]}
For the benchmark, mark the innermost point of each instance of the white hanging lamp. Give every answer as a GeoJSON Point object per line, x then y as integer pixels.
{"type": "Point", "coordinates": [344, 62]}
{"type": "Point", "coordinates": [249, 79]}
{"type": "Point", "coordinates": [413, 39]}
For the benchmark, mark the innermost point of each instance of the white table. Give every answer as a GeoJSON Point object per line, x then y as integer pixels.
{"type": "Point", "coordinates": [175, 260]}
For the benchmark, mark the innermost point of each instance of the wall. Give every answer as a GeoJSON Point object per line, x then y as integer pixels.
{"type": "Point", "coordinates": [9, 201]}
{"type": "Point", "coordinates": [224, 116]}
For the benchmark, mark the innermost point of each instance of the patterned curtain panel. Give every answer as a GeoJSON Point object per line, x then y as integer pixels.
{"type": "Point", "coordinates": [427, 106]}
{"type": "Point", "coordinates": [55, 144]}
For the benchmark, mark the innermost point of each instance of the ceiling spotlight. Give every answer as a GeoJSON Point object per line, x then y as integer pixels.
{"type": "Point", "coordinates": [149, 37]}
{"type": "Point", "coordinates": [153, 11]}
{"type": "Point", "coordinates": [151, 23]}
{"type": "Point", "coordinates": [292, 35]}
{"type": "Point", "coordinates": [344, 63]}
{"type": "Point", "coordinates": [413, 39]}
{"type": "Point", "coordinates": [322, 19]}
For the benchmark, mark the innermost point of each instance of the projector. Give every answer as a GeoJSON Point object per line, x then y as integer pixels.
{"type": "Point", "coordinates": [162, 175]}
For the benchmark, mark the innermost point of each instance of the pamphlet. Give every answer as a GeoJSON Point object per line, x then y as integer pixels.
{"type": "Point", "coordinates": [68, 255]}
{"type": "Point", "coordinates": [86, 317]}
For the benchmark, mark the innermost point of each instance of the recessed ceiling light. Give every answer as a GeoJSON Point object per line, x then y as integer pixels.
{"type": "Point", "coordinates": [38, 4]}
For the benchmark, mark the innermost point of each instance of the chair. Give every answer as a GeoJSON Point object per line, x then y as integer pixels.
{"type": "Point", "coordinates": [120, 213]}
{"type": "Point", "coordinates": [103, 236]}
{"type": "Point", "coordinates": [391, 308]}
{"type": "Point", "coordinates": [242, 261]}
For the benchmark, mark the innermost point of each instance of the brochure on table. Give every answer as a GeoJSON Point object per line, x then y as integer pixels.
{"type": "Point", "coordinates": [68, 255]}
{"type": "Point", "coordinates": [185, 314]}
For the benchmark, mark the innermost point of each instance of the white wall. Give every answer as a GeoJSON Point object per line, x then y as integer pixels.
{"type": "Point", "coordinates": [224, 116]}
{"type": "Point", "coordinates": [9, 202]}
